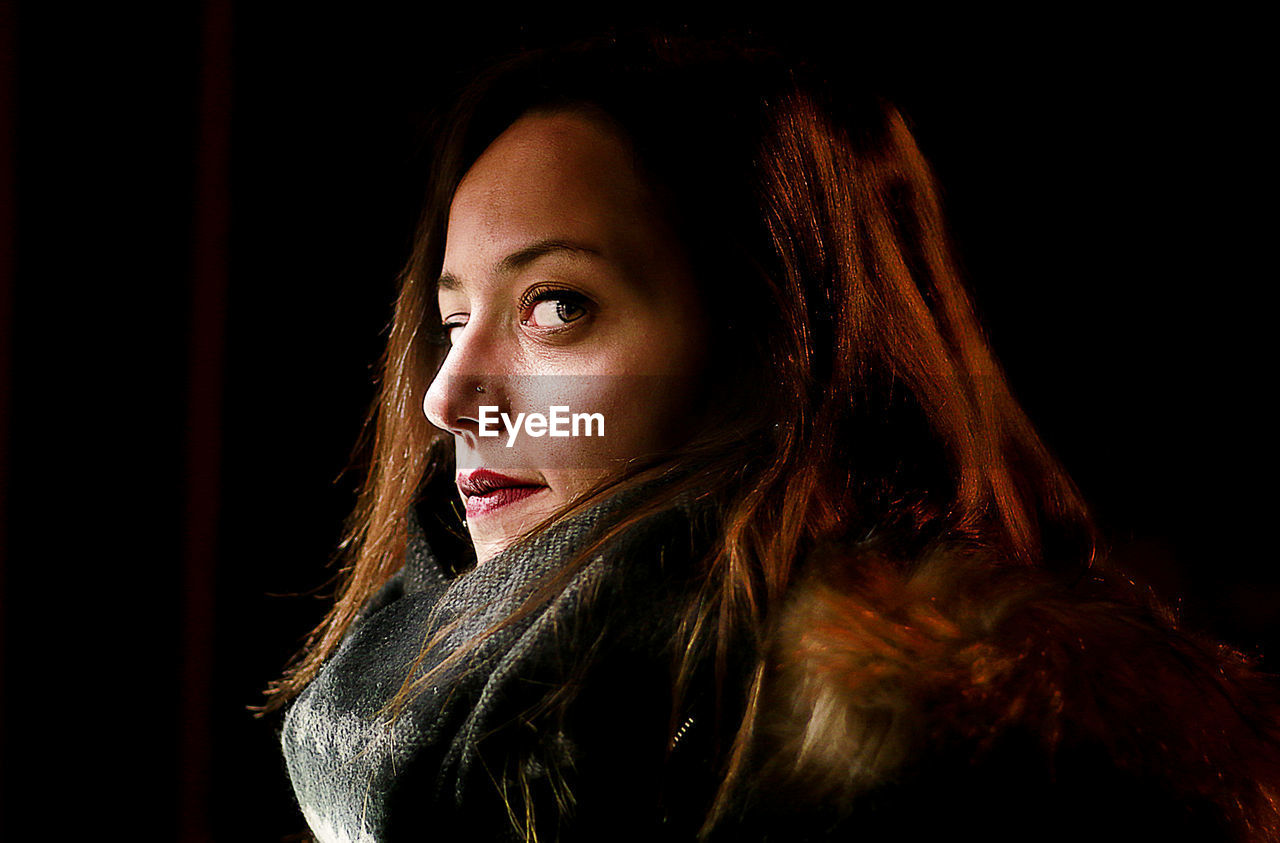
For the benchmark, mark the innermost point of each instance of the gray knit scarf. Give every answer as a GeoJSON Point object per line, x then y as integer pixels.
{"type": "Point", "coordinates": [469, 749]}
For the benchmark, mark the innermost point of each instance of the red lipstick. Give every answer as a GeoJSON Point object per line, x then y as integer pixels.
{"type": "Point", "coordinates": [484, 491]}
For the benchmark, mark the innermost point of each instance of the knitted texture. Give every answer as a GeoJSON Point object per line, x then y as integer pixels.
{"type": "Point", "coordinates": [899, 702]}
{"type": "Point", "coordinates": [476, 745]}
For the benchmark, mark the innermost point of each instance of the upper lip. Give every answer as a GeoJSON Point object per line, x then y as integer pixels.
{"type": "Point", "coordinates": [482, 480]}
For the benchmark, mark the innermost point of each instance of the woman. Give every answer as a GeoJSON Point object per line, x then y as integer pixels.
{"type": "Point", "coordinates": [757, 544]}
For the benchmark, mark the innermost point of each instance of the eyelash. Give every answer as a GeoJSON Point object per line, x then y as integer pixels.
{"type": "Point", "coordinates": [536, 295]}
{"type": "Point", "coordinates": [438, 334]}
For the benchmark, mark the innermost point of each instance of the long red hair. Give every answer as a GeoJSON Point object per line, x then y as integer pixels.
{"type": "Point", "coordinates": [859, 393]}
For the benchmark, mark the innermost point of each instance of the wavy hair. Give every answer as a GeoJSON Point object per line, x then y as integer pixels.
{"type": "Point", "coordinates": [860, 395]}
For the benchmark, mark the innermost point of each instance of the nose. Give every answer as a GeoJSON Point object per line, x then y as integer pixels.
{"type": "Point", "coordinates": [453, 400]}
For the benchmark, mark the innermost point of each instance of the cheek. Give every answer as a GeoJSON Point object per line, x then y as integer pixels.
{"type": "Point", "coordinates": [640, 415]}
{"type": "Point", "coordinates": [644, 414]}
{"type": "Point", "coordinates": [642, 378]}
{"type": "Point", "coordinates": [652, 409]}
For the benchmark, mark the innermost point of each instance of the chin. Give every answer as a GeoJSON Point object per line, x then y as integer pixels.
{"type": "Point", "coordinates": [506, 529]}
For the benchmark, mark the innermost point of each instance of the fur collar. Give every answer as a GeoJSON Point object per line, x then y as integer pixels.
{"type": "Point", "coordinates": [880, 670]}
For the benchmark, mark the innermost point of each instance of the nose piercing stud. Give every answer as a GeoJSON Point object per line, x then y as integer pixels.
{"type": "Point", "coordinates": [479, 389]}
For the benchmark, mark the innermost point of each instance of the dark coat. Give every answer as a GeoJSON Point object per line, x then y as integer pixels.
{"type": "Point", "coordinates": [899, 702]}
{"type": "Point", "coordinates": [903, 702]}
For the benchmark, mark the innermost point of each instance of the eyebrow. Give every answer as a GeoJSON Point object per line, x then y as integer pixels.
{"type": "Point", "coordinates": [522, 257]}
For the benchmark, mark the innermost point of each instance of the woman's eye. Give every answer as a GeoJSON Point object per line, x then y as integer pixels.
{"type": "Point", "coordinates": [445, 332]}
{"type": "Point", "coordinates": [555, 309]}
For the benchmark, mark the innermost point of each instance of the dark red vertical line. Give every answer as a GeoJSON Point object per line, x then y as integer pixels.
{"type": "Point", "coordinates": [205, 384]}
{"type": "Point", "coordinates": [8, 266]}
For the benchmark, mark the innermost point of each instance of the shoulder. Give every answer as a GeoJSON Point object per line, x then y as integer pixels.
{"type": "Point", "coordinates": [990, 691]}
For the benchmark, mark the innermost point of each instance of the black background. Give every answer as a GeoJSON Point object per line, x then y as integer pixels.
{"type": "Point", "coordinates": [1106, 175]}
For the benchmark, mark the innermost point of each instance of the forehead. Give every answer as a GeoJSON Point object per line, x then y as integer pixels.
{"type": "Point", "coordinates": [558, 175]}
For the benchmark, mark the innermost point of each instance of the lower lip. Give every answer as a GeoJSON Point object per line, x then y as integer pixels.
{"type": "Point", "coordinates": [484, 504]}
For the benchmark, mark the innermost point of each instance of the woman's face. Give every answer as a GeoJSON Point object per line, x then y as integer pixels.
{"type": "Point", "coordinates": [577, 335]}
